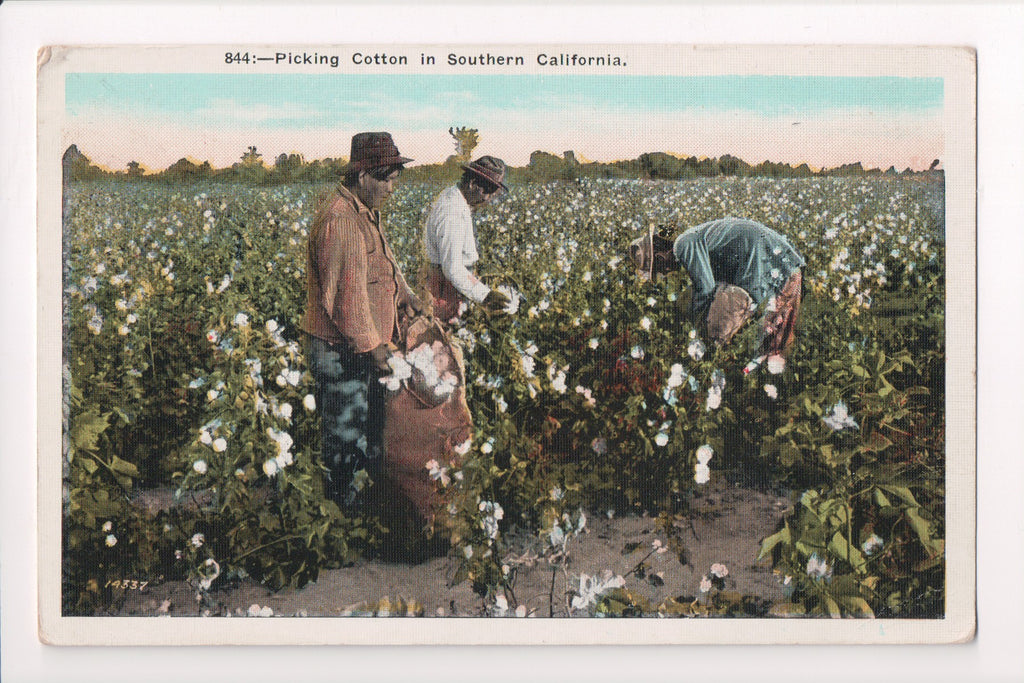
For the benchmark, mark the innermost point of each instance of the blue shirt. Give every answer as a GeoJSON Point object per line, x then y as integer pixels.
{"type": "Point", "coordinates": [739, 252]}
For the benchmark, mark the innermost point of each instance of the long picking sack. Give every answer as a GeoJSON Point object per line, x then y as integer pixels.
{"type": "Point", "coordinates": [426, 413]}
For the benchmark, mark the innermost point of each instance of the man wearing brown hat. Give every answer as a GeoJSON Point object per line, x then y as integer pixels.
{"type": "Point", "coordinates": [354, 291]}
{"type": "Point", "coordinates": [450, 242]}
{"type": "Point", "coordinates": [734, 264]}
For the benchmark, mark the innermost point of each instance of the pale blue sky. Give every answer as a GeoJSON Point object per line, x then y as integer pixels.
{"type": "Point", "coordinates": [600, 116]}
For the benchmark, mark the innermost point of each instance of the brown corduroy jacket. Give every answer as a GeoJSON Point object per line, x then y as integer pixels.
{"type": "Point", "coordinates": [354, 285]}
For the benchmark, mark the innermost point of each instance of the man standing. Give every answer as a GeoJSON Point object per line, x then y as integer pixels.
{"type": "Point", "coordinates": [734, 264]}
{"type": "Point", "coordinates": [451, 243]}
{"type": "Point", "coordinates": [354, 291]}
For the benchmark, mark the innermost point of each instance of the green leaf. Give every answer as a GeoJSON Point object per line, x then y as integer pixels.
{"type": "Point", "coordinates": [904, 494]}
{"type": "Point", "coordinates": [768, 544]}
{"type": "Point", "coordinates": [87, 428]}
{"type": "Point", "coordinates": [123, 467]}
{"type": "Point", "coordinates": [923, 530]}
{"type": "Point", "coordinates": [876, 442]}
{"type": "Point", "coordinates": [858, 607]}
{"type": "Point", "coordinates": [880, 498]}
{"type": "Point", "coordinates": [812, 408]}
{"type": "Point", "coordinates": [789, 454]}
{"type": "Point", "coordinates": [841, 547]}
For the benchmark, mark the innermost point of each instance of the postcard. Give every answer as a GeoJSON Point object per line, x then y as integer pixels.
{"type": "Point", "coordinates": [531, 343]}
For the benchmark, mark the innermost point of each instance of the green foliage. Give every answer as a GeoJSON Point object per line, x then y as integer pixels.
{"type": "Point", "coordinates": [185, 302]}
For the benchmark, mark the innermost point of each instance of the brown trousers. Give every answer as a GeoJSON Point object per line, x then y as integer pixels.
{"type": "Point", "coordinates": [732, 307]}
{"type": "Point", "coordinates": [446, 299]}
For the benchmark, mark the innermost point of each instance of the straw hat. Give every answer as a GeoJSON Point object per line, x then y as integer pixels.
{"type": "Point", "coordinates": [491, 169]}
{"type": "Point", "coordinates": [641, 252]}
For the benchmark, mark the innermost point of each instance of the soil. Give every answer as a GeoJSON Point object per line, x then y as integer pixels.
{"type": "Point", "coordinates": [726, 526]}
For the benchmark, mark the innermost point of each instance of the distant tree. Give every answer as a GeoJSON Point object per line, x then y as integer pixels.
{"type": "Point", "coordinates": [288, 167]}
{"type": "Point", "coordinates": [79, 166]}
{"type": "Point", "coordinates": [252, 157]}
{"type": "Point", "coordinates": [934, 165]}
{"type": "Point", "coordinates": [251, 168]}
{"type": "Point", "coordinates": [658, 165]}
{"type": "Point", "coordinates": [185, 170]}
{"type": "Point", "coordinates": [135, 170]}
{"type": "Point", "coordinates": [466, 140]}
{"type": "Point", "coordinates": [733, 166]}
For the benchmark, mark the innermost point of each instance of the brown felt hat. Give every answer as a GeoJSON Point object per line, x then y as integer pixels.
{"type": "Point", "coordinates": [374, 150]}
{"type": "Point", "coordinates": [491, 169]}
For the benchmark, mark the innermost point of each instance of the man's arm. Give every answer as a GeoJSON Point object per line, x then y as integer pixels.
{"type": "Point", "coordinates": [692, 254]}
{"type": "Point", "coordinates": [453, 232]}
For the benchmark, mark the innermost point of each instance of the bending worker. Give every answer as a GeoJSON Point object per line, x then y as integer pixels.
{"type": "Point", "coordinates": [734, 264]}
{"type": "Point", "coordinates": [450, 241]}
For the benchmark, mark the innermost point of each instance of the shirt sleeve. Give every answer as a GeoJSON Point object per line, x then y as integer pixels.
{"type": "Point", "coordinates": [454, 229]}
{"type": "Point", "coordinates": [341, 262]}
{"type": "Point", "coordinates": [692, 254]}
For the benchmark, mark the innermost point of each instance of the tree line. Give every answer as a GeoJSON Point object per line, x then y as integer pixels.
{"type": "Point", "coordinates": [251, 168]}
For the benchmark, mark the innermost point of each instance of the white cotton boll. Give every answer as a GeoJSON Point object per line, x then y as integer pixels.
{"type": "Point", "coordinates": [661, 439]}
{"type": "Point", "coordinates": [270, 467]}
{"type": "Point", "coordinates": [714, 398]}
{"type": "Point", "coordinates": [199, 466]}
{"type": "Point", "coordinates": [704, 454]}
{"type": "Point", "coordinates": [776, 364]}
{"type": "Point", "coordinates": [701, 473]}
{"type": "Point", "coordinates": [559, 383]}
{"type": "Point", "coordinates": [391, 382]}
{"type": "Point", "coordinates": [220, 445]}
{"type": "Point", "coordinates": [696, 349]}
{"type": "Point", "coordinates": [309, 402]}
{"type": "Point", "coordinates": [771, 391]}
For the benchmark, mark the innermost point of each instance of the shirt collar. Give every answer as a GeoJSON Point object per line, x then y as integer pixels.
{"type": "Point", "coordinates": [357, 204]}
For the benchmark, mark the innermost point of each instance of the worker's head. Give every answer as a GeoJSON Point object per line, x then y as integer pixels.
{"type": "Point", "coordinates": [652, 254]}
{"type": "Point", "coordinates": [374, 166]}
{"type": "Point", "coordinates": [482, 180]}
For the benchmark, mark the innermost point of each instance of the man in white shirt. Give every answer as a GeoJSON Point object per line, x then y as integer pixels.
{"type": "Point", "coordinates": [451, 243]}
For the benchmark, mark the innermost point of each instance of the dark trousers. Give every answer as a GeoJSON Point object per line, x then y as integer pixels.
{"type": "Point", "coordinates": [351, 403]}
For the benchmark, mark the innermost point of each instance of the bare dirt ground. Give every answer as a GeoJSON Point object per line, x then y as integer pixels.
{"type": "Point", "coordinates": [727, 525]}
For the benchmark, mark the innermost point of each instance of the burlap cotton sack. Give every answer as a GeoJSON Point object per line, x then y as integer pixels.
{"type": "Point", "coordinates": [730, 308]}
{"type": "Point", "coordinates": [421, 426]}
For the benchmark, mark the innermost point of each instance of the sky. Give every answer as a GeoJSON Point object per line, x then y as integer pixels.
{"type": "Point", "coordinates": [156, 119]}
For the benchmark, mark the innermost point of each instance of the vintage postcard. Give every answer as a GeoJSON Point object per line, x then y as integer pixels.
{"type": "Point", "coordinates": [551, 343]}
